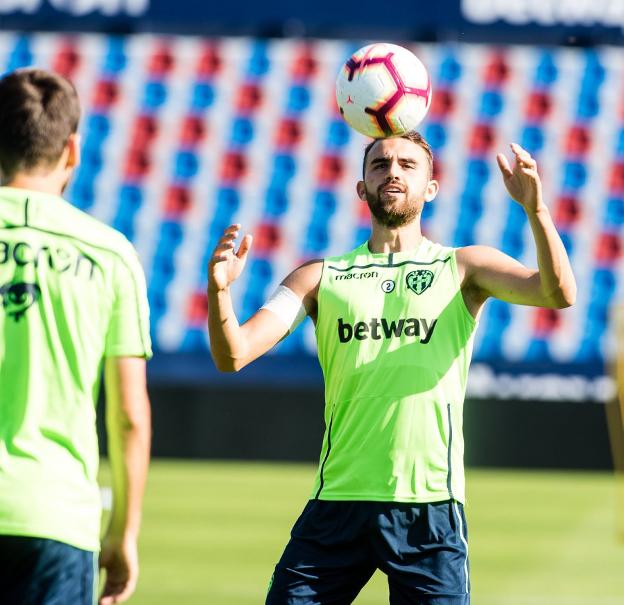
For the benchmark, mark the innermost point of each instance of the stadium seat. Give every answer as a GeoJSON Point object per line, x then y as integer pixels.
{"type": "Point", "coordinates": [338, 134]}
{"type": "Point", "coordinates": [259, 63]}
{"type": "Point", "coordinates": [202, 97]}
{"type": "Point", "coordinates": [242, 132]}
{"type": "Point", "coordinates": [298, 100]}
{"type": "Point", "coordinates": [154, 96]}
{"type": "Point", "coordinates": [547, 71]}
{"type": "Point", "coordinates": [275, 201]}
{"type": "Point", "coordinates": [115, 59]}
{"type": "Point", "coordinates": [532, 139]}
{"type": "Point", "coordinates": [450, 69]}
{"type": "Point", "coordinates": [21, 55]}
{"type": "Point", "coordinates": [435, 133]}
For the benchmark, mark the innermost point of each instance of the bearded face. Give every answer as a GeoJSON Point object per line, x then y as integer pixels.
{"type": "Point", "coordinates": [393, 204]}
{"type": "Point", "coordinates": [397, 182]}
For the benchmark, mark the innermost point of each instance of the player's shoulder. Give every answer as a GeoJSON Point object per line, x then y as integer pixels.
{"type": "Point", "coordinates": [307, 274]}
{"type": "Point", "coordinates": [94, 232]}
{"type": "Point", "coordinates": [476, 254]}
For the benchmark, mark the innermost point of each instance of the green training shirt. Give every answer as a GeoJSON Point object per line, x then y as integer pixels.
{"type": "Point", "coordinates": [394, 342]}
{"type": "Point", "coordinates": [72, 293]}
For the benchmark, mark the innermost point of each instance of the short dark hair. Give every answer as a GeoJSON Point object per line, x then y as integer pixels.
{"type": "Point", "coordinates": [39, 110]}
{"type": "Point", "coordinates": [414, 137]}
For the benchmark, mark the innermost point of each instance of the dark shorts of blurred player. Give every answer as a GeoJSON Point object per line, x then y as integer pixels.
{"type": "Point", "coordinates": [336, 547]}
{"type": "Point", "coordinates": [38, 571]}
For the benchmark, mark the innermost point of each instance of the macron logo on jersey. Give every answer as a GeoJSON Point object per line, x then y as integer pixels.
{"type": "Point", "coordinates": [384, 328]}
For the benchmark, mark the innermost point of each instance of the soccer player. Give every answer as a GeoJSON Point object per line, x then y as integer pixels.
{"type": "Point", "coordinates": [73, 303]}
{"type": "Point", "coordinates": [395, 320]}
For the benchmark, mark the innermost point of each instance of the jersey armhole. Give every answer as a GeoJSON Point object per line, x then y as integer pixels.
{"type": "Point", "coordinates": [318, 298]}
{"type": "Point", "coordinates": [455, 270]}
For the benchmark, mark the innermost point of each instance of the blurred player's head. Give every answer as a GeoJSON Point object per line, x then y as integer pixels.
{"type": "Point", "coordinates": [397, 178]}
{"type": "Point", "coordinates": [39, 115]}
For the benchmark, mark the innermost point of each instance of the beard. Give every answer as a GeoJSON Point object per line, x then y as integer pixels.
{"type": "Point", "coordinates": [390, 212]}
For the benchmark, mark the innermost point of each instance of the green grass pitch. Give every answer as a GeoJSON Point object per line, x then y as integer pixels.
{"type": "Point", "coordinates": [212, 532]}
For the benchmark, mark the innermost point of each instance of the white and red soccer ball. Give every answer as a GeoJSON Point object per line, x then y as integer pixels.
{"type": "Point", "coordinates": [383, 90]}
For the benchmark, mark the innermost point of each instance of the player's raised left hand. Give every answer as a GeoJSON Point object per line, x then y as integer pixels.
{"type": "Point", "coordinates": [522, 182]}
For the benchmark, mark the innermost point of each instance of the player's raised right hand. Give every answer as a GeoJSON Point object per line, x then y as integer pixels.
{"type": "Point", "coordinates": [226, 263]}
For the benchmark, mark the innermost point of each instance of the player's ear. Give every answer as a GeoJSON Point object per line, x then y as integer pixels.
{"type": "Point", "coordinates": [432, 190]}
{"type": "Point", "coordinates": [361, 190]}
{"type": "Point", "coordinates": [73, 147]}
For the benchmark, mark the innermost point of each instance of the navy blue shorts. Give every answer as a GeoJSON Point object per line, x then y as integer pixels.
{"type": "Point", "coordinates": [335, 547]}
{"type": "Point", "coordinates": [37, 571]}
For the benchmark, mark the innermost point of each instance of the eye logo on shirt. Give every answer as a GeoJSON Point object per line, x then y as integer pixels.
{"type": "Point", "coordinates": [419, 281]}
{"type": "Point", "coordinates": [18, 298]}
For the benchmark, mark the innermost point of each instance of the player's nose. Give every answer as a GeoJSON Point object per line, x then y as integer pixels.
{"type": "Point", "coordinates": [394, 169]}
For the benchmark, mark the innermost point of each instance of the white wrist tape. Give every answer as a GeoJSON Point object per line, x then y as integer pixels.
{"type": "Point", "coordinates": [287, 306]}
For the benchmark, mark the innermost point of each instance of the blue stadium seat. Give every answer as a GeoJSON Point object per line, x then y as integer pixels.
{"type": "Point", "coordinates": [91, 160]}
{"type": "Point", "coordinates": [546, 72]}
{"type": "Point", "coordinates": [316, 239]}
{"type": "Point", "coordinates": [97, 126]}
{"type": "Point", "coordinates": [171, 234]}
{"type": "Point", "coordinates": [428, 212]}
{"type": "Point", "coordinates": [82, 194]}
{"type": "Point", "coordinates": [463, 235]}
{"type": "Point", "coordinates": [259, 63]}
{"type": "Point", "coordinates": [604, 285]}
{"type": "Point", "coordinates": [186, 165]}
{"type": "Point", "coordinates": [115, 59]}
{"type": "Point", "coordinates": [470, 207]}
{"type": "Point", "coordinates": [588, 105]}
{"type": "Point", "coordinates": [154, 95]}
{"type": "Point", "coordinates": [284, 168]}
{"type": "Point", "coordinates": [362, 233]}
{"type": "Point", "coordinates": [477, 173]}
{"type": "Point", "coordinates": [202, 97]}
{"type": "Point", "coordinates": [21, 55]}
{"type": "Point", "coordinates": [130, 200]}
{"type": "Point", "coordinates": [532, 139]}
{"type": "Point", "coordinates": [275, 201]}
{"type": "Point", "coordinates": [594, 73]}
{"type": "Point", "coordinates": [619, 150]}
{"type": "Point", "coordinates": [338, 134]}
{"type": "Point", "coordinates": [512, 242]}
{"type": "Point", "coordinates": [574, 175]}
{"type": "Point", "coordinates": [324, 204]}
{"type": "Point", "coordinates": [614, 214]}
{"type": "Point", "coordinates": [568, 241]}
{"type": "Point", "coordinates": [491, 104]}
{"type": "Point", "coordinates": [435, 133]}
{"type": "Point", "coordinates": [298, 99]}
{"type": "Point", "coordinates": [242, 131]}
{"type": "Point", "coordinates": [450, 69]}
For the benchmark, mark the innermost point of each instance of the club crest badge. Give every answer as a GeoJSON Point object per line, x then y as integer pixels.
{"type": "Point", "coordinates": [419, 281]}
{"type": "Point", "coordinates": [17, 298]}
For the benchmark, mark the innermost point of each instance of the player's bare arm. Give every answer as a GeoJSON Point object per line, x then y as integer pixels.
{"type": "Point", "coordinates": [128, 422]}
{"type": "Point", "coordinates": [486, 272]}
{"type": "Point", "coordinates": [233, 345]}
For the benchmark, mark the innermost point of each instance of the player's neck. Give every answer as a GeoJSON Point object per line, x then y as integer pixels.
{"type": "Point", "coordinates": [45, 183]}
{"type": "Point", "coordinates": [398, 239]}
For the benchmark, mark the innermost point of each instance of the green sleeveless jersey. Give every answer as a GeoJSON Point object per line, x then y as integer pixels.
{"type": "Point", "coordinates": [394, 343]}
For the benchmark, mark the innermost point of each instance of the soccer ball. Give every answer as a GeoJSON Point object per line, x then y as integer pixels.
{"type": "Point", "coordinates": [383, 90]}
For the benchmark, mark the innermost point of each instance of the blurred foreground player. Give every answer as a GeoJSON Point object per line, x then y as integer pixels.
{"type": "Point", "coordinates": [395, 320]}
{"type": "Point", "coordinates": [73, 302]}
